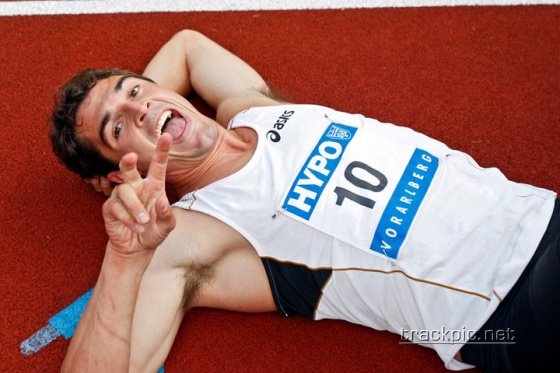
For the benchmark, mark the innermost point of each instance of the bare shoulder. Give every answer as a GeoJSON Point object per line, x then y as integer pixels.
{"type": "Point", "coordinates": [228, 271]}
{"type": "Point", "coordinates": [199, 238]}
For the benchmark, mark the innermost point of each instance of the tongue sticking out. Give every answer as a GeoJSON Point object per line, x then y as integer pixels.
{"type": "Point", "coordinates": [175, 127]}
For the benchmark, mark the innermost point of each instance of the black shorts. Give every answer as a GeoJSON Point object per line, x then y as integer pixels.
{"type": "Point", "coordinates": [527, 321]}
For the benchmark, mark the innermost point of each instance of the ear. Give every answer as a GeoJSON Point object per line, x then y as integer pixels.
{"type": "Point", "coordinates": [115, 177]}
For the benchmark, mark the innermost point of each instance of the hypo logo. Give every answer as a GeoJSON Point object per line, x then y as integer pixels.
{"type": "Point", "coordinates": [317, 171]}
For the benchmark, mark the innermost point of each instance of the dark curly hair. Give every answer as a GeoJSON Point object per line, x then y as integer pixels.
{"type": "Point", "coordinates": [76, 154]}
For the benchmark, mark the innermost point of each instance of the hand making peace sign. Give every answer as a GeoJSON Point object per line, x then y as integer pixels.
{"type": "Point", "coordinates": [138, 216]}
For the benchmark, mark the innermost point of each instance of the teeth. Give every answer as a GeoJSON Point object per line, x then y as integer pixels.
{"type": "Point", "coordinates": [166, 115]}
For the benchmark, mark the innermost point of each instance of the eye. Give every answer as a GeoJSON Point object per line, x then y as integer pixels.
{"type": "Point", "coordinates": [117, 130]}
{"type": "Point", "coordinates": [134, 91]}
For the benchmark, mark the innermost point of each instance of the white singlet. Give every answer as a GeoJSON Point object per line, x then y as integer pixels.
{"type": "Point", "coordinates": [415, 238]}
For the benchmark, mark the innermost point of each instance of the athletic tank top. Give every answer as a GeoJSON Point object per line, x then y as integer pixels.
{"type": "Point", "coordinates": [377, 224]}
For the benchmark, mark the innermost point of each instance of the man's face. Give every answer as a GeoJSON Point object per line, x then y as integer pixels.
{"type": "Point", "coordinates": [125, 114]}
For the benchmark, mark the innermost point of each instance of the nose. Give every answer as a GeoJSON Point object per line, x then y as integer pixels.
{"type": "Point", "coordinates": [137, 111]}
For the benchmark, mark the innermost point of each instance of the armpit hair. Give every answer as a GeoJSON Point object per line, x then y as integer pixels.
{"type": "Point", "coordinates": [268, 91]}
{"type": "Point", "coordinates": [196, 275]}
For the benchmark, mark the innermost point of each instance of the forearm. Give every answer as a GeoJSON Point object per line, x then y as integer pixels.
{"type": "Point", "coordinates": [190, 61]}
{"type": "Point", "coordinates": [103, 337]}
{"type": "Point", "coordinates": [169, 67]}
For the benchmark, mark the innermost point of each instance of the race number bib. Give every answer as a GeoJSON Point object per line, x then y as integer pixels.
{"type": "Point", "coordinates": [362, 189]}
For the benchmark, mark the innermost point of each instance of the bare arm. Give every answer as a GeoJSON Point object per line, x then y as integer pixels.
{"type": "Point", "coordinates": [190, 61]}
{"type": "Point", "coordinates": [138, 218]}
{"type": "Point", "coordinates": [203, 263]}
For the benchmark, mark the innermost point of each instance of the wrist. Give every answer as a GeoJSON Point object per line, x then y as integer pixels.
{"type": "Point", "coordinates": [121, 275]}
{"type": "Point", "coordinates": [116, 257]}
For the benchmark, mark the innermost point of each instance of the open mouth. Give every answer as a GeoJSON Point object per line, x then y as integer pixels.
{"type": "Point", "coordinates": [162, 122]}
{"type": "Point", "coordinates": [172, 123]}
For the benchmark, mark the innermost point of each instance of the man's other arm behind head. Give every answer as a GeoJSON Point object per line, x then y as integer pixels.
{"type": "Point", "coordinates": [190, 61]}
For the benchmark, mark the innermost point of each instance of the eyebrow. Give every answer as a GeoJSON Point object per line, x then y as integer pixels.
{"type": "Point", "coordinates": [107, 115]}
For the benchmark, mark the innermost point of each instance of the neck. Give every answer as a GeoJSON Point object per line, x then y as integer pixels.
{"type": "Point", "coordinates": [232, 151]}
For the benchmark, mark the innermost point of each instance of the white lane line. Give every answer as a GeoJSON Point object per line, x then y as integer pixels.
{"type": "Point", "coordinates": [11, 8]}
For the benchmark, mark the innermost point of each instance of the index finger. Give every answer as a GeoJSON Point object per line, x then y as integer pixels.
{"type": "Point", "coordinates": [158, 164]}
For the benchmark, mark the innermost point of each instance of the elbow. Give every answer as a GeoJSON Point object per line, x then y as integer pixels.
{"type": "Point", "coordinates": [187, 36]}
